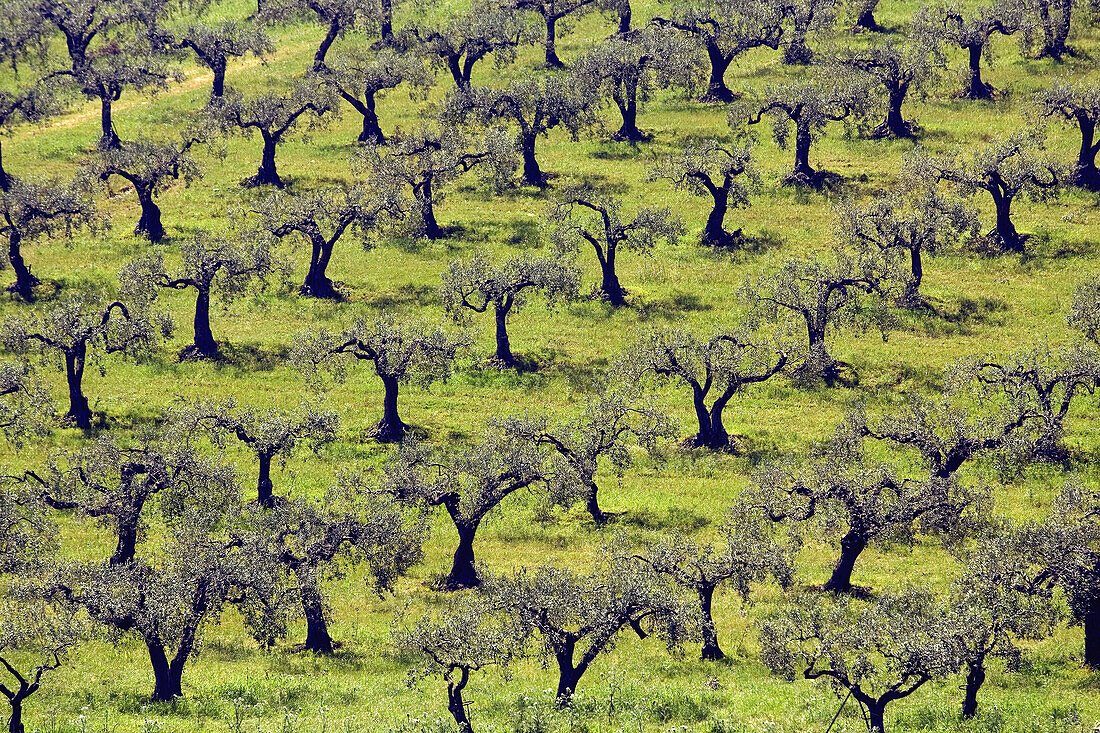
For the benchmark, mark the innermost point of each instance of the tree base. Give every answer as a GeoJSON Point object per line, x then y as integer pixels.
{"type": "Point", "coordinates": [631, 135]}
{"type": "Point", "coordinates": [816, 180]}
{"type": "Point", "coordinates": [258, 180]}
{"type": "Point", "coordinates": [736, 445]}
{"type": "Point", "coordinates": [832, 374]}
{"type": "Point", "coordinates": [303, 648]}
{"type": "Point", "coordinates": [389, 431]}
{"type": "Point", "coordinates": [194, 353]}
{"type": "Point", "coordinates": [798, 55]}
{"type": "Point", "coordinates": [981, 91]}
{"type": "Point", "coordinates": [326, 291]}
{"type": "Point", "coordinates": [731, 240]}
{"type": "Point", "coordinates": [905, 131]}
{"type": "Point", "coordinates": [24, 290]}
{"type": "Point", "coordinates": [719, 96]}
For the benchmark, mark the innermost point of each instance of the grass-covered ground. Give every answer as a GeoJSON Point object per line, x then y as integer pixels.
{"type": "Point", "coordinates": [997, 304]}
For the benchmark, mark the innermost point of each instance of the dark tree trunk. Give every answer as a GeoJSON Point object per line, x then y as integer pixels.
{"type": "Point", "coordinates": [372, 131]}
{"type": "Point", "coordinates": [463, 573]}
{"type": "Point", "coordinates": [705, 436]}
{"type": "Point", "coordinates": [167, 677]}
{"type": "Point", "coordinates": [568, 675]}
{"type": "Point", "coordinates": [850, 548]}
{"type": "Point", "coordinates": [975, 676]}
{"type": "Point", "coordinates": [552, 60]}
{"type": "Point", "coordinates": [386, 31]}
{"type": "Point", "coordinates": [609, 284]}
{"type": "Point", "coordinates": [797, 52]}
{"type": "Point", "coordinates": [895, 125]}
{"type": "Point", "coordinates": [911, 297]}
{"type": "Point", "coordinates": [714, 233]}
{"type": "Point", "coordinates": [317, 284]}
{"type": "Point", "coordinates": [390, 429]}
{"type": "Point", "coordinates": [717, 91]}
{"type": "Point", "coordinates": [802, 174]}
{"type": "Point", "coordinates": [876, 717]}
{"type": "Point", "coordinates": [15, 722]}
{"type": "Point", "coordinates": [427, 212]}
{"type": "Point", "coordinates": [217, 91]}
{"type": "Point", "coordinates": [819, 363]}
{"type": "Point", "coordinates": [318, 639]}
{"type": "Point", "coordinates": [1091, 624]}
{"type": "Point", "coordinates": [326, 43]}
{"type": "Point", "coordinates": [503, 355]}
{"type": "Point", "coordinates": [532, 172]}
{"type": "Point", "coordinates": [1085, 174]}
{"type": "Point", "coordinates": [719, 438]}
{"type": "Point", "coordinates": [628, 109]}
{"type": "Point", "coordinates": [456, 705]}
{"type": "Point", "coordinates": [267, 175]}
{"type": "Point", "coordinates": [866, 20]}
{"type": "Point", "coordinates": [625, 14]}
{"type": "Point", "coordinates": [80, 414]}
{"type": "Point", "coordinates": [24, 280]}
{"type": "Point", "coordinates": [592, 503]}
{"type": "Point", "coordinates": [108, 139]}
{"type": "Point", "coordinates": [205, 346]}
{"type": "Point", "coordinates": [976, 88]}
{"type": "Point", "coordinates": [711, 650]}
{"type": "Point", "coordinates": [1010, 239]}
{"type": "Point", "coordinates": [264, 486]}
{"type": "Point", "coordinates": [126, 547]}
{"type": "Point", "coordinates": [5, 179]}
{"type": "Point", "coordinates": [149, 225]}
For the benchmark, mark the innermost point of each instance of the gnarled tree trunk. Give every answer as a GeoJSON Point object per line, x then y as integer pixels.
{"type": "Point", "coordinates": [80, 414]}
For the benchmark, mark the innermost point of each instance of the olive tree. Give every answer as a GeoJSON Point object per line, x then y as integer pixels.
{"type": "Point", "coordinates": [34, 209]}
{"type": "Point", "coordinates": [972, 31]}
{"type": "Point", "coordinates": [402, 351]}
{"type": "Point", "coordinates": [535, 106]}
{"type": "Point", "coordinates": [362, 77]}
{"type": "Point", "coordinates": [76, 329]}
{"type": "Point", "coordinates": [746, 550]}
{"type": "Point", "coordinates": [584, 215]}
{"type": "Point", "coordinates": [225, 265]}
{"type": "Point", "coordinates": [32, 102]}
{"type": "Point", "coordinates": [1053, 18]}
{"type": "Point", "coordinates": [808, 106]}
{"type": "Point", "coordinates": [714, 368]}
{"type": "Point", "coordinates": [26, 408]}
{"type": "Point", "coordinates": [1084, 314]}
{"type": "Point", "coordinates": [878, 652]}
{"type": "Point", "coordinates": [424, 161]}
{"type": "Point", "coordinates": [458, 42]}
{"type": "Point", "coordinates": [726, 29]}
{"type": "Point", "coordinates": [996, 602]}
{"type": "Point", "coordinates": [270, 434]}
{"type": "Point", "coordinates": [848, 290]}
{"type": "Point", "coordinates": [612, 423]}
{"type": "Point", "coordinates": [578, 615]}
{"type": "Point", "coordinates": [110, 49]}
{"type": "Point", "coordinates": [468, 634]}
{"type": "Point", "coordinates": [479, 284]}
{"type": "Point", "coordinates": [898, 69]}
{"type": "Point", "coordinates": [275, 116]}
{"type": "Point", "coordinates": [867, 501]}
{"type": "Point", "coordinates": [805, 17]}
{"type": "Point", "coordinates": [906, 225]}
{"type": "Point", "coordinates": [468, 483]}
{"type": "Point", "coordinates": [150, 168]}
{"type": "Point", "coordinates": [1077, 103]}
{"type": "Point", "coordinates": [553, 12]}
{"type": "Point", "coordinates": [1007, 168]}
{"type": "Point", "coordinates": [318, 540]}
{"type": "Point", "coordinates": [864, 11]}
{"type": "Point", "coordinates": [214, 44]}
{"type": "Point", "coordinates": [715, 169]}
{"type": "Point", "coordinates": [627, 68]}
{"type": "Point", "coordinates": [322, 217]}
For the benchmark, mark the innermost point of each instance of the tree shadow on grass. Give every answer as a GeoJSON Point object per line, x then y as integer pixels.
{"type": "Point", "coordinates": [670, 308]}
{"type": "Point", "coordinates": [405, 296]}
{"type": "Point", "coordinates": [957, 319]}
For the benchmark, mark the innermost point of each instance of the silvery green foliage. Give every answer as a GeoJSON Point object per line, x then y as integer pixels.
{"type": "Point", "coordinates": [323, 217]}
{"type": "Point", "coordinates": [850, 290]}
{"type": "Point", "coordinates": [553, 13]}
{"type": "Point", "coordinates": [35, 209]}
{"type": "Point", "coordinates": [33, 102]}
{"type": "Point", "coordinates": [338, 17]}
{"type": "Point", "coordinates": [747, 550]}
{"type": "Point", "coordinates": [725, 29]}
{"type": "Point", "coordinates": [426, 159]}
{"type": "Point", "coordinates": [271, 434]}
{"type": "Point", "coordinates": [972, 31]}
{"type": "Point", "coordinates": [577, 616]}
{"type": "Point", "coordinates": [603, 436]}
{"type": "Point", "coordinates": [802, 109]}
{"type": "Point", "coordinates": [215, 43]}
{"type": "Point", "coordinates": [722, 171]}
{"type": "Point", "coordinates": [1084, 315]}
{"type": "Point", "coordinates": [879, 652]}
{"type": "Point", "coordinates": [469, 484]}
{"type": "Point", "coordinates": [805, 17]}
{"type": "Point", "coordinates": [459, 41]}
{"type": "Point", "coordinates": [471, 632]}
{"type": "Point", "coordinates": [714, 368]}
{"type": "Point", "coordinates": [628, 68]}
{"type": "Point", "coordinates": [79, 329]}
{"type": "Point", "coordinates": [1067, 543]}
{"type": "Point", "coordinates": [28, 537]}
{"type": "Point", "coordinates": [26, 409]}
{"type": "Point", "coordinates": [479, 284]}
{"type": "Point", "coordinates": [306, 106]}
{"type": "Point", "coordinates": [1054, 19]}
{"type": "Point", "coordinates": [1076, 103]}
{"type": "Point", "coordinates": [363, 76]}
{"type": "Point", "coordinates": [905, 225]}
{"type": "Point", "coordinates": [863, 500]}
{"type": "Point", "coordinates": [1006, 168]}
{"type": "Point", "coordinates": [402, 351]}
{"type": "Point", "coordinates": [534, 106]}
{"type": "Point", "coordinates": [584, 216]}
{"type": "Point", "coordinates": [1040, 385]}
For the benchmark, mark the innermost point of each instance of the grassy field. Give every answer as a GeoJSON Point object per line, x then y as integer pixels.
{"type": "Point", "coordinates": [995, 304]}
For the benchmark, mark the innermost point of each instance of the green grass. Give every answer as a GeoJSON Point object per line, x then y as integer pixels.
{"type": "Point", "coordinates": [1011, 303]}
